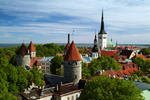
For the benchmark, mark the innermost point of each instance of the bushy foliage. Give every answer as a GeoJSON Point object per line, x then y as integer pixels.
{"type": "Point", "coordinates": [145, 51]}
{"type": "Point", "coordinates": [105, 88]}
{"type": "Point", "coordinates": [103, 63]}
{"type": "Point", "coordinates": [14, 79]}
{"type": "Point", "coordinates": [56, 63]}
{"type": "Point", "coordinates": [49, 49]}
{"type": "Point", "coordinates": [85, 71]}
{"type": "Point", "coordinates": [144, 65]}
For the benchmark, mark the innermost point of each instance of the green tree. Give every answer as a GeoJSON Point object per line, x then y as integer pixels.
{"type": "Point", "coordinates": [37, 76]}
{"type": "Point", "coordinates": [85, 71]}
{"type": "Point", "coordinates": [4, 94]}
{"type": "Point", "coordinates": [143, 64]}
{"type": "Point", "coordinates": [145, 51]}
{"type": "Point", "coordinates": [12, 78]}
{"type": "Point", "coordinates": [105, 88]}
{"type": "Point", "coordinates": [56, 63]}
{"type": "Point", "coordinates": [3, 61]}
{"type": "Point", "coordinates": [23, 80]}
{"type": "Point", "coordinates": [103, 63]}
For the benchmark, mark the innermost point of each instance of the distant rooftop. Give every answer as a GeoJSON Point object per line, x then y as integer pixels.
{"type": "Point", "coordinates": [46, 59]}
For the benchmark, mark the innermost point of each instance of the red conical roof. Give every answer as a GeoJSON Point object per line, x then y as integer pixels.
{"type": "Point", "coordinates": [73, 53]}
{"type": "Point", "coordinates": [67, 46]}
{"type": "Point", "coordinates": [22, 50]}
{"type": "Point", "coordinates": [31, 47]}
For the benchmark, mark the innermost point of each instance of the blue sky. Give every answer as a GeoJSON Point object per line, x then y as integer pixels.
{"type": "Point", "coordinates": [45, 21]}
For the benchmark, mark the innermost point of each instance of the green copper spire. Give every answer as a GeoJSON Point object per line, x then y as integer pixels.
{"type": "Point", "coordinates": [102, 31]}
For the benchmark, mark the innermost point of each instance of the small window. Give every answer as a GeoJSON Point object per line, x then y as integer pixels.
{"type": "Point", "coordinates": [72, 97]}
{"type": "Point", "coordinates": [68, 98]}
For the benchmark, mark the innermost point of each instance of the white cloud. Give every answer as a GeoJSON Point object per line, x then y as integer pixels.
{"type": "Point", "coordinates": [128, 16]}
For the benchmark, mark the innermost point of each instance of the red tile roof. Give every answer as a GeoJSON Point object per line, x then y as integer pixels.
{"type": "Point", "coordinates": [142, 56]}
{"type": "Point", "coordinates": [109, 53]}
{"type": "Point", "coordinates": [125, 47]}
{"type": "Point", "coordinates": [33, 61]}
{"type": "Point", "coordinates": [67, 46]}
{"type": "Point", "coordinates": [73, 53]}
{"type": "Point", "coordinates": [22, 50]}
{"type": "Point", "coordinates": [117, 74]}
{"type": "Point", "coordinates": [59, 54]}
{"type": "Point", "coordinates": [31, 47]}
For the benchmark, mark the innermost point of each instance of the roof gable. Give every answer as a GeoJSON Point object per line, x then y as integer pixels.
{"type": "Point", "coordinates": [31, 47]}
{"type": "Point", "coordinates": [73, 53]}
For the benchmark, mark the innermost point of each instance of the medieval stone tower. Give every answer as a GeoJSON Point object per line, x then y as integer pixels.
{"type": "Point", "coordinates": [72, 64]}
{"type": "Point", "coordinates": [95, 51]}
{"type": "Point", "coordinates": [23, 57]}
{"type": "Point", "coordinates": [102, 36]}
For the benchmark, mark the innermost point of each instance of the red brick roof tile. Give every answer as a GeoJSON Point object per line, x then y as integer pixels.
{"type": "Point", "coordinates": [73, 53]}
{"type": "Point", "coordinates": [67, 46]}
{"type": "Point", "coordinates": [31, 47]}
{"type": "Point", "coordinates": [108, 52]}
{"type": "Point", "coordinates": [33, 61]}
{"type": "Point", "coordinates": [142, 56]}
{"type": "Point", "coordinates": [22, 50]}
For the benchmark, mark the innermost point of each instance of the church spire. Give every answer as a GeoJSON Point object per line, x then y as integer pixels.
{"type": "Point", "coordinates": [95, 40]}
{"type": "Point", "coordinates": [102, 31]}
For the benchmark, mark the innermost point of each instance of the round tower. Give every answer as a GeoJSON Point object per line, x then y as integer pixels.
{"type": "Point", "coordinates": [72, 64]}
{"type": "Point", "coordinates": [23, 58]}
{"type": "Point", "coordinates": [102, 35]}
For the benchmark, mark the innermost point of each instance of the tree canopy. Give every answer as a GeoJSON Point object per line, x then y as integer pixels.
{"type": "Point", "coordinates": [105, 88]}
{"type": "Point", "coordinates": [56, 63]}
{"type": "Point", "coordinates": [103, 63]}
{"type": "Point", "coordinates": [144, 65]}
{"type": "Point", "coordinates": [14, 79]}
{"type": "Point", "coordinates": [145, 51]}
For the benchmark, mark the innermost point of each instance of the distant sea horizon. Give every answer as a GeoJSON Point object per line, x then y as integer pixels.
{"type": "Point", "coordinates": [5, 45]}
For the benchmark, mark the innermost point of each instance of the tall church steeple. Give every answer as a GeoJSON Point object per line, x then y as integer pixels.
{"type": "Point", "coordinates": [102, 35]}
{"type": "Point", "coordinates": [102, 30]}
{"type": "Point", "coordinates": [95, 48]}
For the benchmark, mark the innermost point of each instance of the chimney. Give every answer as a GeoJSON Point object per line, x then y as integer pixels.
{"type": "Point", "coordinates": [68, 38]}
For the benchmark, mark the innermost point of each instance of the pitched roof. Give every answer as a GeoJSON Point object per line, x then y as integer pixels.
{"type": "Point", "coordinates": [142, 56]}
{"type": "Point", "coordinates": [67, 46]}
{"type": "Point", "coordinates": [110, 53]}
{"type": "Point", "coordinates": [73, 53]}
{"type": "Point", "coordinates": [59, 54]}
{"type": "Point", "coordinates": [22, 50]}
{"type": "Point", "coordinates": [66, 89]}
{"type": "Point", "coordinates": [34, 61]}
{"type": "Point", "coordinates": [31, 47]}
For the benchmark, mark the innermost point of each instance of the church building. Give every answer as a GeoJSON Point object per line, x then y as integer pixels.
{"type": "Point", "coordinates": [102, 35]}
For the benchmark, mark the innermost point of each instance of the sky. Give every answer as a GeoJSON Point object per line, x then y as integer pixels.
{"type": "Point", "coordinates": [47, 21]}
